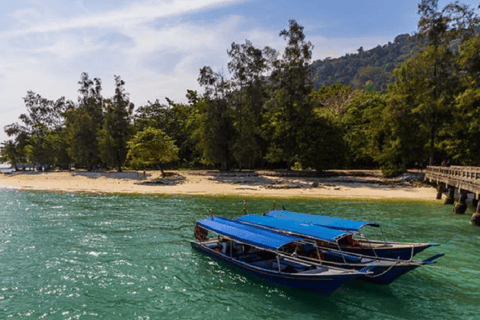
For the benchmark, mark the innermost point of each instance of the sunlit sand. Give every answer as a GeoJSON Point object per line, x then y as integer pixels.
{"type": "Point", "coordinates": [217, 184]}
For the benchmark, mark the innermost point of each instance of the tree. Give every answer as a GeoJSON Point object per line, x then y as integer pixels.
{"type": "Point", "coordinates": [419, 93]}
{"type": "Point", "coordinates": [439, 28]}
{"type": "Point", "coordinates": [9, 153]}
{"type": "Point", "coordinates": [174, 120]}
{"type": "Point", "coordinates": [151, 147]}
{"type": "Point", "coordinates": [288, 109]}
{"type": "Point", "coordinates": [334, 98]}
{"type": "Point", "coordinates": [115, 132]}
{"type": "Point", "coordinates": [360, 122]}
{"type": "Point", "coordinates": [42, 117]}
{"type": "Point", "coordinates": [249, 66]}
{"type": "Point", "coordinates": [322, 144]}
{"type": "Point", "coordinates": [84, 121]}
{"type": "Point", "coordinates": [56, 147]}
{"type": "Point", "coordinates": [214, 131]}
{"type": "Point", "coordinates": [462, 142]}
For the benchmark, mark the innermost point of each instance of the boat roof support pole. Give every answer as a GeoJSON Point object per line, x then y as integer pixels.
{"type": "Point", "coordinates": [371, 245]}
{"type": "Point", "coordinates": [318, 251]}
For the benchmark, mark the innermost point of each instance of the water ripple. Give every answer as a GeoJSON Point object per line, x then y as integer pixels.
{"type": "Point", "coordinates": [88, 257]}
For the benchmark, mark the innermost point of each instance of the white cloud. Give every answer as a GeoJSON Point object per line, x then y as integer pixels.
{"type": "Point", "coordinates": [130, 15]}
{"type": "Point", "coordinates": [48, 57]}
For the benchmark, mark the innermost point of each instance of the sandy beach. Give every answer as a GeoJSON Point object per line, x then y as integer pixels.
{"type": "Point", "coordinates": [249, 184]}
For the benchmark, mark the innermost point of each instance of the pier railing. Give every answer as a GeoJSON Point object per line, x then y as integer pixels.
{"type": "Point", "coordinates": [460, 177]}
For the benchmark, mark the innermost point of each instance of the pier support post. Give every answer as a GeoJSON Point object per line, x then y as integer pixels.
{"type": "Point", "coordinates": [451, 195]}
{"type": "Point", "coordinates": [476, 216]}
{"type": "Point", "coordinates": [439, 191]}
{"type": "Point", "coordinates": [462, 205]}
{"type": "Point", "coordinates": [475, 200]}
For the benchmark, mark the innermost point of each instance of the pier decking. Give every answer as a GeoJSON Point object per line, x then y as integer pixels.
{"type": "Point", "coordinates": [464, 179]}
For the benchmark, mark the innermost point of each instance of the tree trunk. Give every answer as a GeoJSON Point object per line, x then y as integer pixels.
{"type": "Point", "coordinates": [161, 170]}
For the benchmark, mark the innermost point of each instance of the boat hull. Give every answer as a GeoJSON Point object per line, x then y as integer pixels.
{"type": "Point", "coordinates": [384, 275]}
{"type": "Point", "coordinates": [322, 284]}
{"type": "Point", "coordinates": [400, 252]}
{"type": "Point", "coordinates": [383, 270]}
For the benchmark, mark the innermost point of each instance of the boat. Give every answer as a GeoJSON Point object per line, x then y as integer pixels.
{"type": "Point", "coordinates": [259, 252]}
{"type": "Point", "coordinates": [356, 242]}
{"type": "Point", "coordinates": [318, 247]}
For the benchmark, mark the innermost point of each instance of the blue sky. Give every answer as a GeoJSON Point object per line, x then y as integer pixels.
{"type": "Point", "coordinates": [158, 46]}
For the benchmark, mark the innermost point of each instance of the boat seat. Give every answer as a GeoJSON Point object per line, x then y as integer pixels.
{"type": "Point", "coordinates": [285, 263]}
{"type": "Point", "coordinates": [339, 257]}
{"type": "Point", "coordinates": [316, 270]}
{"type": "Point", "coordinates": [248, 258]}
{"type": "Point", "coordinates": [267, 264]}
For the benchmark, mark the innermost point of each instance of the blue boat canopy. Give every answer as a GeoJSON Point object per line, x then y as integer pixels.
{"type": "Point", "coordinates": [256, 236]}
{"type": "Point", "coordinates": [329, 222]}
{"type": "Point", "coordinates": [301, 228]}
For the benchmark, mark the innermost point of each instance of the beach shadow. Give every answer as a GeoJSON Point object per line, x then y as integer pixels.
{"type": "Point", "coordinates": [132, 175]}
{"type": "Point", "coordinates": [252, 179]}
{"type": "Point", "coordinates": [242, 178]}
{"type": "Point", "coordinates": [171, 179]}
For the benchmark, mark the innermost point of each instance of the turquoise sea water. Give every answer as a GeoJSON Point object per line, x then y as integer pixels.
{"type": "Point", "coordinates": [123, 257]}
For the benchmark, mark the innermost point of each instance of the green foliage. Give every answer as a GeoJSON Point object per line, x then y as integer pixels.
{"type": "Point", "coordinates": [365, 128]}
{"type": "Point", "coordinates": [84, 122]}
{"type": "Point", "coordinates": [372, 78]}
{"type": "Point", "coordinates": [9, 153]}
{"type": "Point", "coordinates": [422, 96]}
{"type": "Point", "coordinates": [334, 98]}
{"type": "Point", "coordinates": [297, 166]}
{"type": "Point", "coordinates": [176, 121]}
{"type": "Point", "coordinates": [322, 144]}
{"type": "Point", "coordinates": [288, 110]}
{"type": "Point", "coordinates": [56, 145]}
{"type": "Point", "coordinates": [115, 131]}
{"type": "Point", "coordinates": [368, 69]}
{"type": "Point", "coordinates": [151, 147]}
{"type": "Point", "coordinates": [43, 116]}
{"type": "Point", "coordinates": [248, 66]}
{"type": "Point", "coordinates": [390, 170]}
{"type": "Point", "coordinates": [462, 139]}
{"type": "Point", "coordinates": [213, 132]}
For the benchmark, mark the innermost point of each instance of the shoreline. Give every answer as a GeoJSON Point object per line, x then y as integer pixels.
{"type": "Point", "coordinates": [214, 184]}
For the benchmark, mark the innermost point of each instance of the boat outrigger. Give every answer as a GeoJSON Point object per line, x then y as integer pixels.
{"type": "Point", "coordinates": [356, 242]}
{"type": "Point", "coordinates": [261, 252]}
{"type": "Point", "coordinates": [318, 247]}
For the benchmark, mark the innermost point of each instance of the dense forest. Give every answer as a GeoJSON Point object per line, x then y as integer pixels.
{"type": "Point", "coordinates": [367, 69]}
{"type": "Point", "coordinates": [409, 103]}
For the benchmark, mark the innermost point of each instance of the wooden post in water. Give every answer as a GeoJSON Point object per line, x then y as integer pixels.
{"type": "Point", "coordinates": [476, 216]}
{"type": "Point", "coordinates": [451, 195]}
{"type": "Point", "coordinates": [475, 200]}
{"type": "Point", "coordinates": [439, 191]}
{"type": "Point", "coordinates": [462, 205]}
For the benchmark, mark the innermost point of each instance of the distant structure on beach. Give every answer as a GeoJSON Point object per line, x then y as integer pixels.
{"type": "Point", "coordinates": [6, 168]}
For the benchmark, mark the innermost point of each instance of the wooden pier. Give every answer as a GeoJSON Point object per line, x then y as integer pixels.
{"type": "Point", "coordinates": [463, 179]}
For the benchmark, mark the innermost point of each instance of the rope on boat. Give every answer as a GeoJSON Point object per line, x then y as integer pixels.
{"type": "Point", "coordinates": [384, 272]}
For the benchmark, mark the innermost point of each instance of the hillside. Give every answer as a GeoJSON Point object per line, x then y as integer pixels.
{"type": "Point", "coordinates": [370, 69]}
